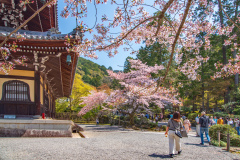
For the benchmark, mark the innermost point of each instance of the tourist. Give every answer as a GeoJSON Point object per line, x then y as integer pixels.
{"type": "Point", "coordinates": [237, 125]}
{"type": "Point", "coordinates": [226, 120]}
{"type": "Point", "coordinates": [215, 119]}
{"type": "Point", "coordinates": [168, 116]}
{"type": "Point", "coordinates": [156, 118]}
{"type": "Point", "coordinates": [97, 121]}
{"type": "Point", "coordinates": [171, 116]}
{"type": "Point", "coordinates": [147, 116]}
{"type": "Point", "coordinates": [212, 122]}
{"type": "Point", "coordinates": [183, 117]}
{"type": "Point", "coordinates": [197, 126]}
{"type": "Point", "coordinates": [230, 122]}
{"type": "Point", "coordinates": [220, 121]}
{"type": "Point", "coordinates": [174, 124]}
{"type": "Point", "coordinates": [204, 124]}
{"type": "Point", "coordinates": [187, 125]}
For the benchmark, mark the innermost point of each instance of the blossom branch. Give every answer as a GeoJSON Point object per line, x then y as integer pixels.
{"type": "Point", "coordinates": [160, 17]}
{"type": "Point", "coordinates": [174, 43]}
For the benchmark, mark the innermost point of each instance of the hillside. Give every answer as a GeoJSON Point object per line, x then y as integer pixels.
{"type": "Point", "coordinates": [92, 73]}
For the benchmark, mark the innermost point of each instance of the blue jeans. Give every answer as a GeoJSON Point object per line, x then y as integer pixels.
{"type": "Point", "coordinates": [202, 130]}
{"type": "Point", "coordinates": [237, 128]}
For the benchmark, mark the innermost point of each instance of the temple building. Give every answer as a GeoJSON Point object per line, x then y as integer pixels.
{"type": "Point", "coordinates": [48, 71]}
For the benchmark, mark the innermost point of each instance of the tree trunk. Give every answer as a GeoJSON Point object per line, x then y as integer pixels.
{"type": "Point", "coordinates": [194, 104]}
{"type": "Point", "coordinates": [208, 97]}
{"type": "Point", "coordinates": [203, 108]}
{"type": "Point", "coordinates": [226, 94]}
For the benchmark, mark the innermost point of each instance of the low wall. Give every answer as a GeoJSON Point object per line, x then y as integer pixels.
{"type": "Point", "coordinates": [35, 128]}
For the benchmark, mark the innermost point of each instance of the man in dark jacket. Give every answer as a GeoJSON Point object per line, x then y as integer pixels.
{"type": "Point", "coordinates": [204, 124]}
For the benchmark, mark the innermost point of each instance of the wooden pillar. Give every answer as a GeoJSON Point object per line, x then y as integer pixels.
{"type": "Point", "coordinates": [37, 93]}
{"type": "Point", "coordinates": [44, 90]}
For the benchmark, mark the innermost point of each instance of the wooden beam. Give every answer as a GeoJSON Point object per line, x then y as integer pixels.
{"type": "Point", "coordinates": [37, 93]}
{"type": "Point", "coordinates": [17, 77]}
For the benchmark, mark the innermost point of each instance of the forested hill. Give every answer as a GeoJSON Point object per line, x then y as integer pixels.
{"type": "Point", "coordinates": [92, 73]}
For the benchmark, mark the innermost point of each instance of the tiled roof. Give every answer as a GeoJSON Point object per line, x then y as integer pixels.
{"type": "Point", "coordinates": [5, 31]}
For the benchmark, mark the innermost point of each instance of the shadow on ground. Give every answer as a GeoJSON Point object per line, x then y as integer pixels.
{"type": "Point", "coordinates": [162, 156]}
{"type": "Point", "coordinates": [199, 145]}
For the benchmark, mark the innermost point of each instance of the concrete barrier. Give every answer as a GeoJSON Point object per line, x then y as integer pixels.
{"type": "Point", "coordinates": [35, 128]}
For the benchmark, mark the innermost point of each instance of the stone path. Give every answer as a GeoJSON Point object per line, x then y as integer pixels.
{"type": "Point", "coordinates": [108, 143]}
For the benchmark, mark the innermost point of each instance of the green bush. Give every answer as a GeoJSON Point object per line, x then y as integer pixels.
{"type": "Point", "coordinates": [220, 114]}
{"type": "Point", "coordinates": [192, 116]}
{"type": "Point", "coordinates": [215, 143]}
{"type": "Point", "coordinates": [237, 110]}
{"type": "Point", "coordinates": [153, 125]}
{"type": "Point", "coordinates": [209, 115]}
{"type": "Point", "coordinates": [164, 127]}
{"type": "Point", "coordinates": [224, 130]}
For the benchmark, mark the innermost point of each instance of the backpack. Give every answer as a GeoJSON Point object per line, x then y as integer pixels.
{"type": "Point", "coordinates": [204, 121]}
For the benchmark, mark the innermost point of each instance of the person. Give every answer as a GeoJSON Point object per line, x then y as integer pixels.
{"type": "Point", "coordinates": [226, 120]}
{"type": "Point", "coordinates": [197, 126]}
{"type": "Point", "coordinates": [171, 115]}
{"type": "Point", "coordinates": [187, 125]}
{"type": "Point", "coordinates": [237, 125]}
{"type": "Point", "coordinates": [212, 122]}
{"type": "Point", "coordinates": [204, 124]}
{"type": "Point", "coordinates": [230, 122]}
{"type": "Point", "coordinates": [215, 119]}
{"type": "Point", "coordinates": [168, 116]}
{"type": "Point", "coordinates": [183, 117]}
{"type": "Point", "coordinates": [156, 118]}
{"type": "Point", "coordinates": [147, 116]}
{"type": "Point", "coordinates": [220, 121]}
{"type": "Point", "coordinates": [174, 124]}
{"type": "Point", "coordinates": [97, 121]}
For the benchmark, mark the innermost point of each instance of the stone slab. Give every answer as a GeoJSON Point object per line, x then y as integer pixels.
{"type": "Point", "coordinates": [43, 124]}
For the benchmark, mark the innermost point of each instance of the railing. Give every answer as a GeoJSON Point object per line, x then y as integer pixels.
{"type": "Point", "coordinates": [228, 139]}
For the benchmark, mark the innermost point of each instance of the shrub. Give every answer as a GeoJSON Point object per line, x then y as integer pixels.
{"type": "Point", "coordinates": [215, 143]}
{"type": "Point", "coordinates": [209, 115]}
{"type": "Point", "coordinates": [192, 116]}
{"type": "Point", "coordinates": [220, 114]}
{"type": "Point", "coordinates": [164, 127]}
{"type": "Point", "coordinates": [153, 125]}
{"type": "Point", "coordinates": [224, 129]}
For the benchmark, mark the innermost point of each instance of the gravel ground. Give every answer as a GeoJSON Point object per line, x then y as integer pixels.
{"type": "Point", "coordinates": [105, 142]}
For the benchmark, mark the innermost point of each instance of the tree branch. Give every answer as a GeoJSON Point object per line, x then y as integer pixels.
{"type": "Point", "coordinates": [160, 17]}
{"type": "Point", "coordinates": [128, 32]}
{"type": "Point", "coordinates": [227, 15]}
{"type": "Point", "coordinates": [174, 43]}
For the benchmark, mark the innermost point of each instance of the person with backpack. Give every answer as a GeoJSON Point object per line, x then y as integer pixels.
{"type": "Point", "coordinates": [204, 124]}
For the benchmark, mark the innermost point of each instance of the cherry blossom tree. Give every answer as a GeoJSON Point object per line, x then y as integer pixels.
{"type": "Point", "coordinates": [94, 100]}
{"type": "Point", "coordinates": [174, 25]}
{"type": "Point", "coordinates": [138, 91]}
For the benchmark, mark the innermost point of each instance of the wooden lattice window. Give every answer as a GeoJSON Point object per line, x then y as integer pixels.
{"type": "Point", "coordinates": [16, 91]}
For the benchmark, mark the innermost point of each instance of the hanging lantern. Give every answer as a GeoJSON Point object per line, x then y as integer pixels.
{"type": "Point", "coordinates": [69, 59]}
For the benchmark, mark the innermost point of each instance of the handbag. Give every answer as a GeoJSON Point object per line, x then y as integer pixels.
{"type": "Point", "coordinates": [184, 133]}
{"type": "Point", "coordinates": [177, 132]}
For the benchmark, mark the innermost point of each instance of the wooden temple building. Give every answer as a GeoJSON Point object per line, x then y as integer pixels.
{"type": "Point", "coordinates": [31, 89]}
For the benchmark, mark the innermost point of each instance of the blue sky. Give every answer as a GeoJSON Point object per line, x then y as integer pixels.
{"type": "Point", "coordinates": [67, 25]}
